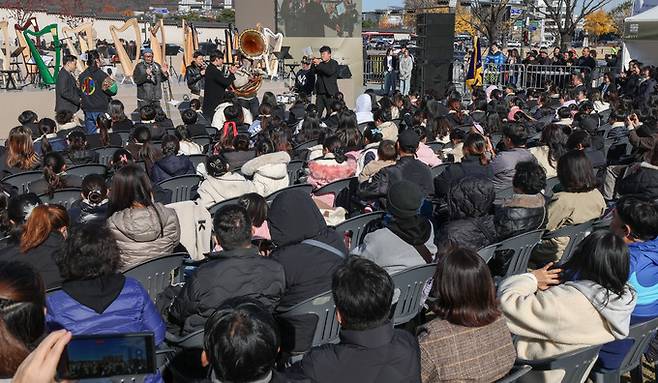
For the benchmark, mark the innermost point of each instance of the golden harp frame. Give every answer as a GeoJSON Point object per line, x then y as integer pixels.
{"type": "Point", "coordinates": [6, 60]}
{"type": "Point", "coordinates": [86, 44]}
{"type": "Point", "coordinates": [127, 65]}
{"type": "Point", "coordinates": [158, 46]}
{"type": "Point", "coordinates": [190, 44]}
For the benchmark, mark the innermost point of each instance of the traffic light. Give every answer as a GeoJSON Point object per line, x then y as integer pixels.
{"type": "Point", "coordinates": [526, 38]}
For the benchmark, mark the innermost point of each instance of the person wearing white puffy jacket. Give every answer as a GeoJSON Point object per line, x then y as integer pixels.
{"type": "Point", "coordinates": [269, 170]}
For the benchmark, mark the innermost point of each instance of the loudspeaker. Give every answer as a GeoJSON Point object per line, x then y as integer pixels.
{"type": "Point", "coordinates": [434, 59]}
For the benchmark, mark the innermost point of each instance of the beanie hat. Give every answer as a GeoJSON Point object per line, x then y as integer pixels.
{"type": "Point", "coordinates": [404, 199]}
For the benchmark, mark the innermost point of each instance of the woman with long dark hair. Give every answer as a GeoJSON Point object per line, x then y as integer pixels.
{"type": "Point", "coordinates": [141, 148]}
{"type": "Point", "coordinates": [54, 176]}
{"type": "Point", "coordinates": [333, 165]}
{"type": "Point", "coordinates": [49, 141]}
{"type": "Point", "coordinates": [18, 210]}
{"type": "Point", "coordinates": [20, 155]}
{"type": "Point", "coordinates": [40, 240]}
{"type": "Point", "coordinates": [468, 325]}
{"type": "Point", "coordinates": [144, 229]}
{"type": "Point", "coordinates": [587, 302]}
{"type": "Point", "coordinates": [104, 137]}
{"type": "Point", "coordinates": [97, 89]}
{"type": "Point", "coordinates": [553, 145]}
{"type": "Point", "coordinates": [22, 314]}
{"type": "Point", "coordinates": [120, 122]}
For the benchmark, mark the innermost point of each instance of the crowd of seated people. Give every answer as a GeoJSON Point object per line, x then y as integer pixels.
{"type": "Point", "coordinates": [449, 175]}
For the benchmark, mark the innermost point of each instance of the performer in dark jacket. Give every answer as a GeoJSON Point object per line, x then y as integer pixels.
{"type": "Point", "coordinates": [97, 91]}
{"type": "Point", "coordinates": [305, 78]}
{"type": "Point", "coordinates": [194, 74]}
{"type": "Point", "coordinates": [326, 82]}
{"type": "Point", "coordinates": [148, 76]}
{"type": "Point", "coordinates": [67, 92]}
{"type": "Point", "coordinates": [216, 84]}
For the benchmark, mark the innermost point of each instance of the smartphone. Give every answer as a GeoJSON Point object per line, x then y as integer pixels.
{"type": "Point", "coordinates": [105, 355]}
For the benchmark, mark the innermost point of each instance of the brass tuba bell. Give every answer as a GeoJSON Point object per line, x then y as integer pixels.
{"type": "Point", "coordinates": [252, 44]}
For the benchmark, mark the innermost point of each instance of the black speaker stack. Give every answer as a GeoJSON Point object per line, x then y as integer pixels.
{"type": "Point", "coordinates": [434, 56]}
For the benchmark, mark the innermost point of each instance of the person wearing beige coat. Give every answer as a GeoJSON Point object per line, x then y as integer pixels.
{"type": "Point", "coordinates": [552, 319]}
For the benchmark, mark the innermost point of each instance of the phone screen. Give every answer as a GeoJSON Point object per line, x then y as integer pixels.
{"type": "Point", "coordinates": [98, 356]}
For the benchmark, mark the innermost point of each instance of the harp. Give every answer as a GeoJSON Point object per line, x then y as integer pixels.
{"type": "Point", "coordinates": [47, 77]}
{"type": "Point", "coordinates": [86, 44]}
{"type": "Point", "coordinates": [190, 44]}
{"type": "Point", "coordinates": [6, 59]}
{"type": "Point", "coordinates": [158, 45]}
{"type": "Point", "coordinates": [30, 69]}
{"type": "Point", "coordinates": [274, 42]}
{"type": "Point", "coordinates": [127, 65]}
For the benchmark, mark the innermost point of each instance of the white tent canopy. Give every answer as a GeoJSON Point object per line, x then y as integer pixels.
{"type": "Point", "coordinates": [641, 37]}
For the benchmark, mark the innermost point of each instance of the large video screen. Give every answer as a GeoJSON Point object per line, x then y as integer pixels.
{"type": "Point", "coordinates": [319, 18]}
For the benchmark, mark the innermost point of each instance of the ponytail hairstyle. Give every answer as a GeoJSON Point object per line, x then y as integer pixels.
{"type": "Point", "coordinates": [476, 145]}
{"type": "Point", "coordinates": [334, 145]}
{"type": "Point", "coordinates": [121, 158]}
{"type": "Point", "coordinates": [77, 140]}
{"type": "Point", "coordinates": [142, 137]}
{"type": "Point", "coordinates": [22, 314]}
{"type": "Point", "coordinates": [19, 208]}
{"type": "Point", "coordinates": [53, 167]}
{"type": "Point", "coordinates": [265, 116]}
{"type": "Point", "coordinates": [44, 220]}
{"type": "Point", "coordinates": [46, 126]}
{"type": "Point", "coordinates": [216, 165]}
{"type": "Point", "coordinates": [104, 124]}
{"type": "Point", "coordinates": [94, 189]}
{"type": "Point", "coordinates": [117, 111]}
{"type": "Point", "coordinates": [372, 134]}
{"type": "Point", "coordinates": [170, 145]}
{"type": "Point", "coordinates": [350, 138]}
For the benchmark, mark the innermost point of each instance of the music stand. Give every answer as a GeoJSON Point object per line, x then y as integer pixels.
{"type": "Point", "coordinates": [284, 55]}
{"type": "Point", "coordinates": [172, 50]}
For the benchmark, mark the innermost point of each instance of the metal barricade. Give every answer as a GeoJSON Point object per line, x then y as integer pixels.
{"type": "Point", "coordinates": [537, 76]}
{"type": "Point", "coordinates": [373, 69]}
{"type": "Point", "coordinates": [504, 74]}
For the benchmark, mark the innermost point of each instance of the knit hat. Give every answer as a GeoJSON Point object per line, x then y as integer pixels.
{"type": "Point", "coordinates": [147, 50]}
{"type": "Point", "coordinates": [408, 139]}
{"type": "Point", "coordinates": [404, 199]}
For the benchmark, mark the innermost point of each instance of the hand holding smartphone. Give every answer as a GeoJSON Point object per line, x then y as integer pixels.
{"type": "Point", "coordinates": [100, 356]}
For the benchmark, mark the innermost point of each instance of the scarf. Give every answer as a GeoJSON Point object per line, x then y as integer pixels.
{"type": "Point", "coordinates": [414, 231]}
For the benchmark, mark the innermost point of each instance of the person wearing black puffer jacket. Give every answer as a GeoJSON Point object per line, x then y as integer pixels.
{"type": "Point", "coordinates": [471, 224]}
{"type": "Point", "coordinates": [642, 178]}
{"type": "Point", "coordinates": [93, 207]}
{"type": "Point", "coordinates": [171, 165]}
{"type": "Point", "coordinates": [237, 271]}
{"type": "Point", "coordinates": [475, 163]}
{"type": "Point", "coordinates": [310, 252]}
{"type": "Point", "coordinates": [525, 210]}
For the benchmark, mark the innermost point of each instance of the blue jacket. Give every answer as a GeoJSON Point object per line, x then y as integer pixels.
{"type": "Point", "coordinates": [644, 279]}
{"type": "Point", "coordinates": [171, 166]}
{"type": "Point", "coordinates": [497, 59]}
{"type": "Point", "coordinates": [131, 311]}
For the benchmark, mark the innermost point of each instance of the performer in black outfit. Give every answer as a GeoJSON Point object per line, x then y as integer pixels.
{"type": "Point", "coordinates": [326, 82]}
{"type": "Point", "coordinates": [216, 83]}
{"type": "Point", "coordinates": [305, 79]}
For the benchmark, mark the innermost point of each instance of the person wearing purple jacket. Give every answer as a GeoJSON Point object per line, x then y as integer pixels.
{"type": "Point", "coordinates": [95, 298]}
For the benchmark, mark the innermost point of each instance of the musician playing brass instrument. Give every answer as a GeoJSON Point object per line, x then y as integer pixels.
{"type": "Point", "coordinates": [195, 74]}
{"type": "Point", "coordinates": [148, 76]}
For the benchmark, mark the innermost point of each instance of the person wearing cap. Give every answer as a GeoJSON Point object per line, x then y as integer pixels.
{"type": "Point", "coordinates": [407, 239]}
{"type": "Point", "coordinates": [406, 168]}
{"type": "Point", "coordinates": [148, 76]}
{"type": "Point", "coordinates": [305, 79]}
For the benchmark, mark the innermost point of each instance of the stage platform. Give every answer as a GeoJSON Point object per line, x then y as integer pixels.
{"type": "Point", "coordinates": [42, 101]}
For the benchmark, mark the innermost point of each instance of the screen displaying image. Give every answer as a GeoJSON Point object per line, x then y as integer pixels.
{"type": "Point", "coordinates": [319, 18]}
{"type": "Point", "coordinates": [101, 356]}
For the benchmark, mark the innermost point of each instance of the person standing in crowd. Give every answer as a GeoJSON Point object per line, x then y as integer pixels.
{"type": "Point", "coordinates": [391, 73]}
{"type": "Point", "coordinates": [195, 73]}
{"type": "Point", "coordinates": [326, 83]}
{"type": "Point", "coordinates": [496, 57]}
{"type": "Point", "coordinates": [586, 60]}
{"type": "Point", "coordinates": [406, 67]}
{"type": "Point", "coordinates": [67, 92]}
{"type": "Point", "coordinates": [97, 90]}
{"type": "Point", "coordinates": [148, 76]}
{"type": "Point", "coordinates": [216, 83]}
{"type": "Point", "coordinates": [305, 79]}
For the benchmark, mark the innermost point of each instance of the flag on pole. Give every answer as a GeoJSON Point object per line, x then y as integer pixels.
{"type": "Point", "coordinates": [474, 74]}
